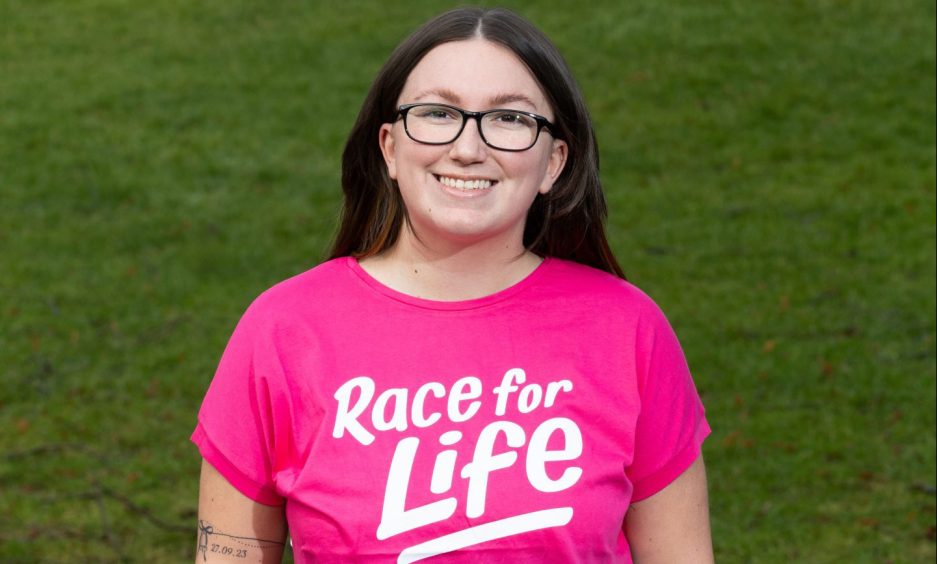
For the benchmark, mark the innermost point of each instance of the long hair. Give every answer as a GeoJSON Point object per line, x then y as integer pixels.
{"type": "Point", "coordinates": [567, 222]}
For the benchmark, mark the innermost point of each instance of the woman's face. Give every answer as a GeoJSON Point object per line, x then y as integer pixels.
{"type": "Point", "coordinates": [474, 75]}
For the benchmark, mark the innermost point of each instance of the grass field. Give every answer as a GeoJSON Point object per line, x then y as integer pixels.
{"type": "Point", "coordinates": [771, 173]}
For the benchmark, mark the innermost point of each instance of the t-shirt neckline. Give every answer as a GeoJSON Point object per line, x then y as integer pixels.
{"type": "Point", "coordinates": [459, 305]}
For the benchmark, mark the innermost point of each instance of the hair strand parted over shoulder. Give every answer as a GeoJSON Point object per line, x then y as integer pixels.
{"type": "Point", "coordinates": [567, 222]}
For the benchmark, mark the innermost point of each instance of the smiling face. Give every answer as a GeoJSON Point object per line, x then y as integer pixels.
{"type": "Point", "coordinates": [465, 192]}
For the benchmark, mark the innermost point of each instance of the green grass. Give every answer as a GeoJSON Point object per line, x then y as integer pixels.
{"type": "Point", "coordinates": [771, 173]}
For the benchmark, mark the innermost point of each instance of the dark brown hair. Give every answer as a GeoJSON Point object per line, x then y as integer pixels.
{"type": "Point", "coordinates": [567, 222]}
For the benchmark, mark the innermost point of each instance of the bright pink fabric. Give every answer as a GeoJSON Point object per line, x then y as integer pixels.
{"type": "Point", "coordinates": [512, 428]}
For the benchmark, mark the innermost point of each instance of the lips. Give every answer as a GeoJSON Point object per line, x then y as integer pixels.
{"type": "Point", "coordinates": [466, 183]}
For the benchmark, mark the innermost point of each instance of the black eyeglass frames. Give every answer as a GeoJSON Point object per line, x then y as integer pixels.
{"type": "Point", "coordinates": [501, 129]}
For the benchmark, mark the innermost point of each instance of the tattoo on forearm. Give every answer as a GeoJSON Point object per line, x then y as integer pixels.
{"type": "Point", "coordinates": [223, 544]}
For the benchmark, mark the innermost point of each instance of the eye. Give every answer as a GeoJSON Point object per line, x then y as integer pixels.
{"type": "Point", "coordinates": [510, 119]}
{"type": "Point", "coordinates": [436, 113]}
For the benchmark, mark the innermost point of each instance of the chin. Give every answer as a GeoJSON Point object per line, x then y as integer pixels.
{"type": "Point", "coordinates": [469, 233]}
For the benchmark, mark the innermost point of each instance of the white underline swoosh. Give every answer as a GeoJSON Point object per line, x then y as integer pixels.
{"type": "Point", "coordinates": [489, 531]}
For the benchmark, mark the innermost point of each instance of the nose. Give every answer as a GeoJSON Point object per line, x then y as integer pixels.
{"type": "Point", "coordinates": [469, 146]}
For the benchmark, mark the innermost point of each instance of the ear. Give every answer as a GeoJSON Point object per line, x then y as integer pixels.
{"type": "Point", "coordinates": [555, 165]}
{"type": "Point", "coordinates": [388, 148]}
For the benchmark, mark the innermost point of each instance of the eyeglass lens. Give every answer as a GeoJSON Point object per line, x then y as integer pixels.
{"type": "Point", "coordinates": [504, 129]}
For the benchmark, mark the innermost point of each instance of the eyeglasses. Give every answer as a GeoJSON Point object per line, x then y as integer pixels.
{"type": "Point", "coordinates": [504, 130]}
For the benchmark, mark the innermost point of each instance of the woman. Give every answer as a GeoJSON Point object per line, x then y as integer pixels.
{"type": "Point", "coordinates": [469, 378]}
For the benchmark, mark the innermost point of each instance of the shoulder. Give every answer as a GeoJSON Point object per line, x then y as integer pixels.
{"type": "Point", "coordinates": [313, 290]}
{"type": "Point", "coordinates": [596, 288]}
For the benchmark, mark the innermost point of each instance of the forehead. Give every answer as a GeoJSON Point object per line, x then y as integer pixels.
{"type": "Point", "coordinates": [477, 73]}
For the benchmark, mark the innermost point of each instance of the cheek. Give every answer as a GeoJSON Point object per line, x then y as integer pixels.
{"type": "Point", "coordinates": [533, 170]}
{"type": "Point", "coordinates": [413, 177]}
{"type": "Point", "coordinates": [412, 160]}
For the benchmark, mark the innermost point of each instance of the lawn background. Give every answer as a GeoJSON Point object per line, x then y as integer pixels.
{"type": "Point", "coordinates": [770, 167]}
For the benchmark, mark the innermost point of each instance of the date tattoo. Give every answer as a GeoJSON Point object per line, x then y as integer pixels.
{"type": "Point", "coordinates": [211, 541]}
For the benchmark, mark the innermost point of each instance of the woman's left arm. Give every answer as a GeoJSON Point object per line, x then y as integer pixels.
{"type": "Point", "coordinates": [673, 524]}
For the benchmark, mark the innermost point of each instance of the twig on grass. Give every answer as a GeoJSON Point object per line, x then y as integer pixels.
{"type": "Point", "coordinates": [924, 488]}
{"type": "Point", "coordinates": [108, 532]}
{"type": "Point", "coordinates": [100, 492]}
{"type": "Point", "coordinates": [52, 449]}
{"type": "Point", "coordinates": [133, 507]}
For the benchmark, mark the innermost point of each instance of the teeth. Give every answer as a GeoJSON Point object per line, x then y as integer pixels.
{"type": "Point", "coordinates": [460, 184]}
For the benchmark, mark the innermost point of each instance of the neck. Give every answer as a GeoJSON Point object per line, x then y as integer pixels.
{"type": "Point", "coordinates": [450, 272]}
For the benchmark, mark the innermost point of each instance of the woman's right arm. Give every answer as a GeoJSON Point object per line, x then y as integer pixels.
{"type": "Point", "coordinates": [235, 528]}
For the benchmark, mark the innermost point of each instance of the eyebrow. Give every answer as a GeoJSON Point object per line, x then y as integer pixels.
{"type": "Point", "coordinates": [502, 99]}
{"type": "Point", "coordinates": [495, 101]}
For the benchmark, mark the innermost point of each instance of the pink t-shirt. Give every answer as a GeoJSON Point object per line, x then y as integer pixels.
{"type": "Point", "coordinates": [517, 427]}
